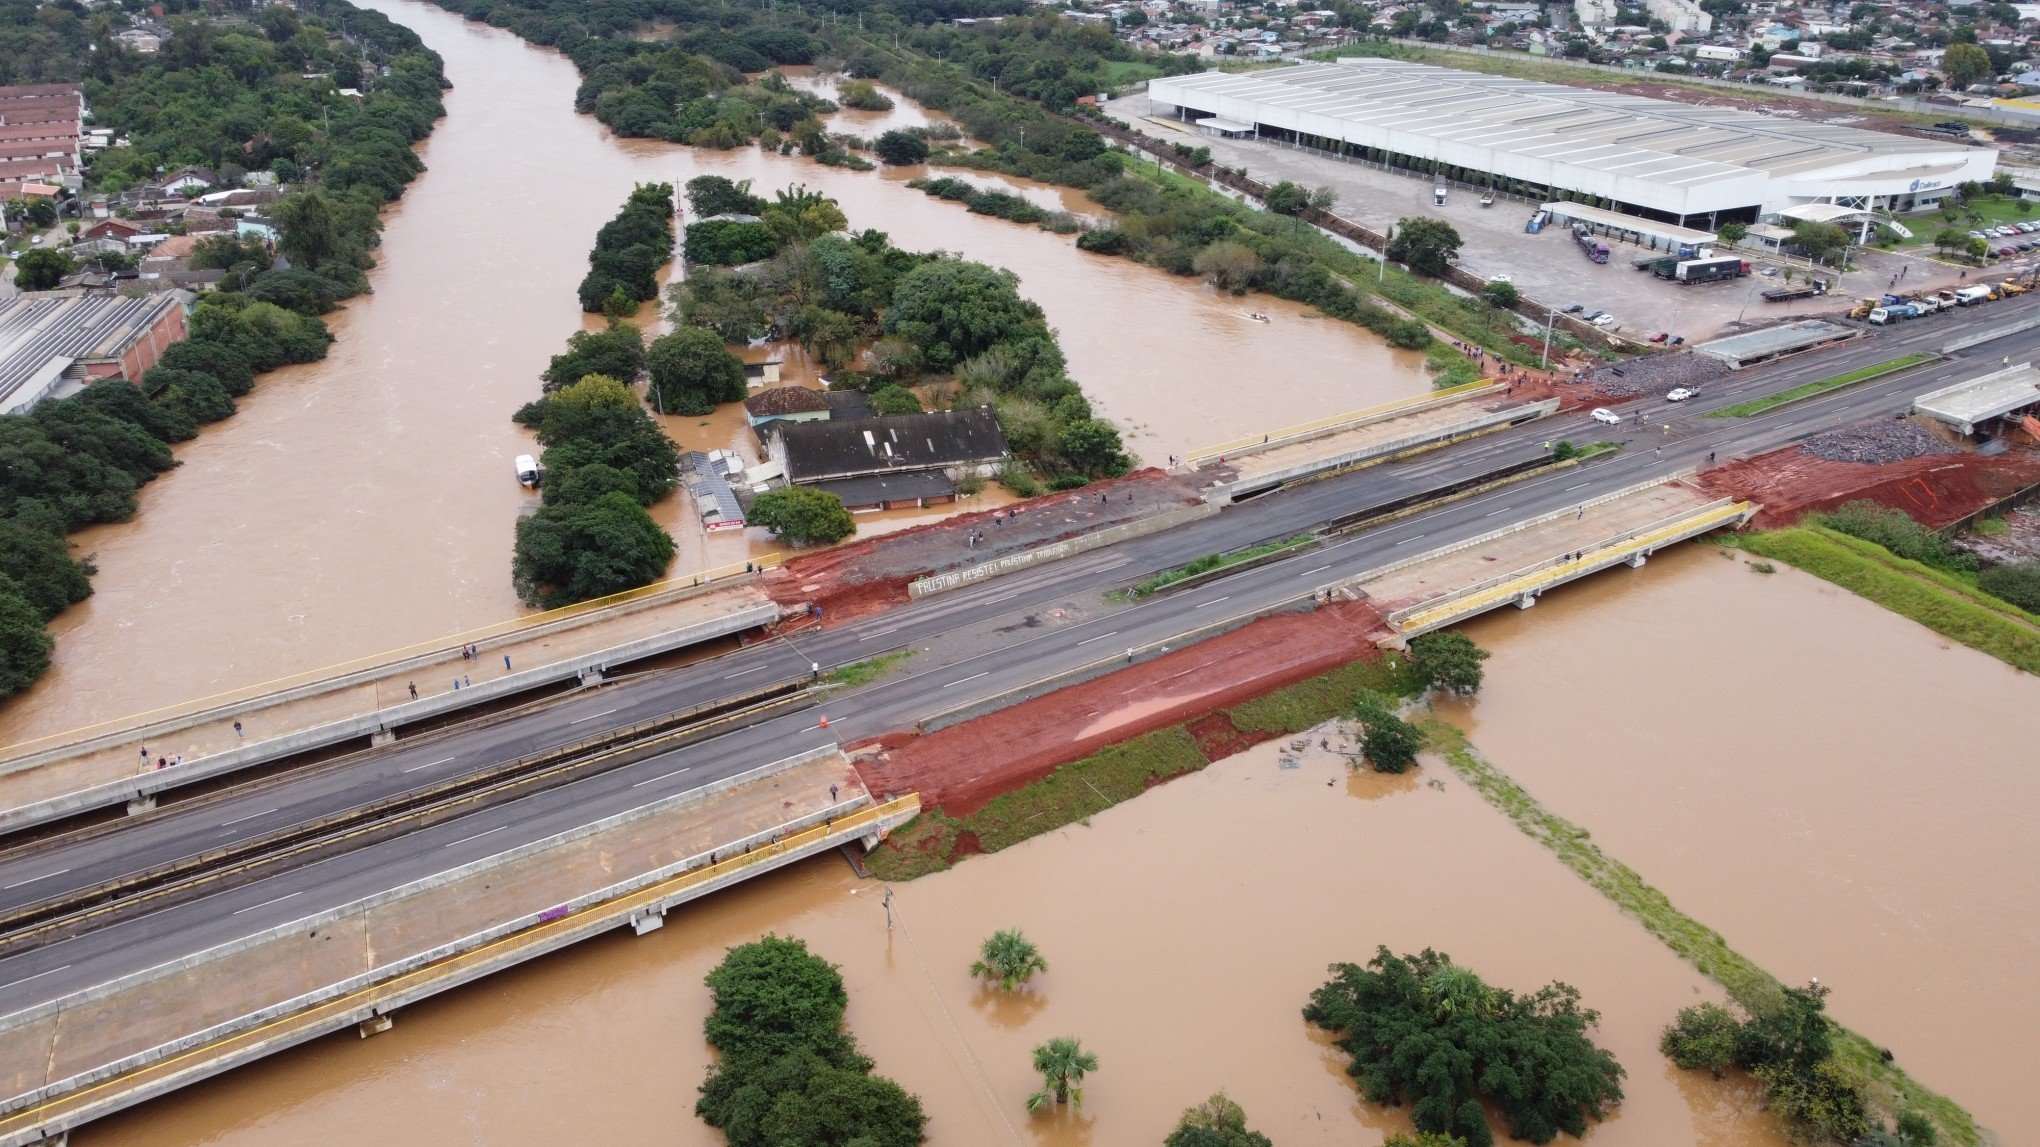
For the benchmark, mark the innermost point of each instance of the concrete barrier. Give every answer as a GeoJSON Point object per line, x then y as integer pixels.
{"type": "Point", "coordinates": [310, 924]}
{"type": "Point", "coordinates": [1068, 547]}
{"type": "Point", "coordinates": [1353, 420]}
{"type": "Point", "coordinates": [1977, 338]}
{"type": "Point", "coordinates": [142, 788]}
{"type": "Point", "coordinates": [1486, 420]}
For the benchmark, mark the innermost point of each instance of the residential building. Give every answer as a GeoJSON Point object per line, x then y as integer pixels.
{"type": "Point", "coordinates": [893, 460]}
{"type": "Point", "coordinates": [780, 404]}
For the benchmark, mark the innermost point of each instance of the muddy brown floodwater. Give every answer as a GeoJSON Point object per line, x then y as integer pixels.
{"type": "Point", "coordinates": [1838, 791]}
{"type": "Point", "coordinates": [1183, 934]}
{"type": "Point", "coordinates": [365, 502]}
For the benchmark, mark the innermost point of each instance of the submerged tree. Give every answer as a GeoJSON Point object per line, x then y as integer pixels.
{"type": "Point", "coordinates": [1216, 1122]}
{"type": "Point", "coordinates": [1008, 959]}
{"type": "Point", "coordinates": [1063, 1063]}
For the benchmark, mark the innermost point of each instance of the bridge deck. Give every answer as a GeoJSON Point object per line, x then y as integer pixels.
{"type": "Point", "coordinates": [1259, 466]}
{"type": "Point", "coordinates": [152, 1031]}
{"type": "Point", "coordinates": [112, 752]}
{"type": "Point", "coordinates": [1454, 569]}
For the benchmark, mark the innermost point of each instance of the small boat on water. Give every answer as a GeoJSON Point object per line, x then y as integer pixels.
{"type": "Point", "coordinates": [1258, 317]}
{"type": "Point", "coordinates": [528, 472]}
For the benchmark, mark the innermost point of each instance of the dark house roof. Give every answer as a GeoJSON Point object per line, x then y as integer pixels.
{"type": "Point", "coordinates": [786, 400]}
{"type": "Point", "coordinates": [817, 451]}
{"type": "Point", "coordinates": [876, 488]}
{"type": "Point", "coordinates": [848, 404]}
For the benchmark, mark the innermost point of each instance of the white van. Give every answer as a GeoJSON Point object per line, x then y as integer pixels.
{"type": "Point", "coordinates": [1438, 196]}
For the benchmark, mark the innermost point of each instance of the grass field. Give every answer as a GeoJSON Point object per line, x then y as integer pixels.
{"type": "Point", "coordinates": [1942, 602]}
{"type": "Point", "coordinates": [1798, 393]}
{"type": "Point", "coordinates": [1211, 563]}
{"type": "Point", "coordinates": [1750, 985]}
{"type": "Point", "coordinates": [865, 672]}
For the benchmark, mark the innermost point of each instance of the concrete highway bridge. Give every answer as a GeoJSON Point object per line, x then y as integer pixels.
{"type": "Point", "coordinates": [270, 902]}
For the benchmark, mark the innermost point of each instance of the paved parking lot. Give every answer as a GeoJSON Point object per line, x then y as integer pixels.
{"type": "Point", "coordinates": [1549, 267]}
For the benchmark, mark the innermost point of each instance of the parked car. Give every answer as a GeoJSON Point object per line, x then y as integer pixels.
{"type": "Point", "coordinates": [1680, 394]}
{"type": "Point", "coordinates": [2006, 251]}
{"type": "Point", "coordinates": [1596, 313]}
{"type": "Point", "coordinates": [1604, 321]}
{"type": "Point", "coordinates": [1660, 336]}
{"type": "Point", "coordinates": [1498, 279]}
{"type": "Point", "coordinates": [1575, 308]}
{"type": "Point", "coordinates": [1603, 414]}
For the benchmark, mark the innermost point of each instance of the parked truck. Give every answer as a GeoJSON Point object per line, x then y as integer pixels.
{"type": "Point", "coordinates": [1969, 296]}
{"type": "Point", "coordinates": [1594, 248]}
{"type": "Point", "coordinates": [1690, 271]}
{"type": "Point", "coordinates": [1894, 313]}
{"type": "Point", "coordinates": [1786, 294]}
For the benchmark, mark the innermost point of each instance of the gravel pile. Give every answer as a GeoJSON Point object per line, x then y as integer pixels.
{"type": "Point", "coordinates": [1654, 375]}
{"type": "Point", "coordinates": [1887, 440]}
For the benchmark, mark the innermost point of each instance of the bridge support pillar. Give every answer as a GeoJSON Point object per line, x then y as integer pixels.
{"type": "Point", "coordinates": [591, 675]}
{"type": "Point", "coordinates": [1636, 560]}
{"type": "Point", "coordinates": [382, 737]}
{"type": "Point", "coordinates": [141, 803]}
{"type": "Point", "coordinates": [1526, 601]}
{"type": "Point", "coordinates": [647, 922]}
{"type": "Point", "coordinates": [376, 1025]}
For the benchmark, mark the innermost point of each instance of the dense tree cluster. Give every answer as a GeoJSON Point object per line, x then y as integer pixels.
{"type": "Point", "coordinates": [917, 316]}
{"type": "Point", "coordinates": [1216, 1122]}
{"type": "Point", "coordinates": [787, 1072]}
{"type": "Point", "coordinates": [692, 372]}
{"type": "Point", "coordinates": [802, 516]}
{"type": "Point", "coordinates": [630, 249]}
{"type": "Point", "coordinates": [1427, 1032]}
{"type": "Point", "coordinates": [605, 460]}
{"type": "Point", "coordinates": [232, 98]}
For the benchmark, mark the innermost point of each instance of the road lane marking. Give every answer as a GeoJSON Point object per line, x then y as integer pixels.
{"type": "Point", "coordinates": [1407, 541]}
{"type": "Point", "coordinates": [1100, 637]}
{"type": "Point", "coordinates": [36, 879]}
{"type": "Point", "coordinates": [1492, 513]}
{"type": "Point", "coordinates": [972, 677]}
{"type": "Point", "coordinates": [1214, 601]}
{"type": "Point", "coordinates": [37, 976]}
{"type": "Point", "coordinates": [465, 839]}
{"type": "Point", "coordinates": [415, 768]}
{"type": "Point", "coordinates": [250, 816]}
{"type": "Point", "coordinates": [591, 716]}
{"type": "Point", "coordinates": [1577, 487]}
{"type": "Point", "coordinates": [657, 779]}
{"type": "Point", "coordinates": [1308, 572]}
{"type": "Point", "coordinates": [267, 903]}
{"type": "Point", "coordinates": [754, 669]}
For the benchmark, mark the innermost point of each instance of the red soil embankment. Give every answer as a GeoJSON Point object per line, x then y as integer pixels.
{"type": "Point", "coordinates": [863, 577]}
{"type": "Point", "coordinates": [960, 768]}
{"type": "Point", "coordinates": [1936, 490]}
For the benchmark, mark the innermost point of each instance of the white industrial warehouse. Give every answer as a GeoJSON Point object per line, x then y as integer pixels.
{"type": "Point", "coordinates": [1671, 162]}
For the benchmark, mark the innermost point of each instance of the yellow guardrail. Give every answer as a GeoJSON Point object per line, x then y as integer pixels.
{"type": "Point", "coordinates": [509, 627]}
{"type": "Point", "coordinates": [29, 1118]}
{"type": "Point", "coordinates": [1516, 587]}
{"type": "Point", "coordinates": [1335, 420]}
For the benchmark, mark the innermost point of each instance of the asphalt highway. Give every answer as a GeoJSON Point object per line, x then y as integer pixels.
{"type": "Point", "coordinates": [971, 644]}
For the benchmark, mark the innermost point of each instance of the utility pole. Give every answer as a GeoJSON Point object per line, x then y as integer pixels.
{"type": "Point", "coordinates": [1544, 360]}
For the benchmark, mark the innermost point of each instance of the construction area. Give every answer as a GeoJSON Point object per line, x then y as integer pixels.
{"type": "Point", "coordinates": [373, 697]}
{"type": "Point", "coordinates": [115, 1044]}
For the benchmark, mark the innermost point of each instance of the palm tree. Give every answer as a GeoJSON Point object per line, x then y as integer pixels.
{"type": "Point", "coordinates": [1007, 959]}
{"type": "Point", "coordinates": [1454, 990]}
{"type": "Point", "coordinates": [1062, 1065]}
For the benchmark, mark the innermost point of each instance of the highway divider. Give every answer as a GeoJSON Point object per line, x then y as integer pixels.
{"type": "Point", "coordinates": [241, 861]}
{"type": "Point", "coordinates": [1474, 425]}
{"type": "Point", "coordinates": [142, 788]}
{"type": "Point", "coordinates": [1349, 421]}
{"type": "Point", "coordinates": [1068, 547]}
{"type": "Point", "coordinates": [91, 1093]}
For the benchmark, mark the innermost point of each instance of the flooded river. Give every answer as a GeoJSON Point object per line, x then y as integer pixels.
{"type": "Point", "coordinates": [365, 502]}
{"type": "Point", "coordinates": [1840, 792]}
{"type": "Point", "coordinates": [1181, 951]}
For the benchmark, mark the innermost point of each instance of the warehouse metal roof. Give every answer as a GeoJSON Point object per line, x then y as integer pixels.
{"type": "Point", "coordinates": [41, 336]}
{"type": "Point", "coordinates": [1676, 144]}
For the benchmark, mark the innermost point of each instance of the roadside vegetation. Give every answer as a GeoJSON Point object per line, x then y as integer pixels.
{"type": "Point", "coordinates": [1885, 556]}
{"type": "Point", "coordinates": [913, 331]}
{"type": "Point", "coordinates": [1758, 406]}
{"type": "Point", "coordinates": [786, 1071]}
{"type": "Point", "coordinates": [235, 99]}
{"type": "Point", "coordinates": [1427, 1032]}
{"type": "Point", "coordinates": [1886, 1090]}
{"type": "Point", "coordinates": [865, 672]}
{"type": "Point", "coordinates": [1211, 563]}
